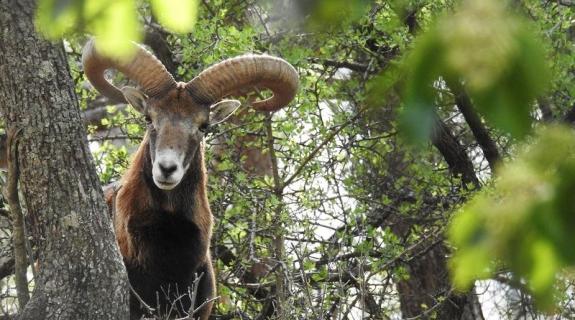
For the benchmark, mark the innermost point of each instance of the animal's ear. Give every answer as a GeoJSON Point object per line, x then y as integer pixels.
{"type": "Point", "coordinates": [220, 111]}
{"type": "Point", "coordinates": [136, 98]}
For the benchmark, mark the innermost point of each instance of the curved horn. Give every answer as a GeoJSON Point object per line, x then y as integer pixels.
{"type": "Point", "coordinates": [143, 68]}
{"type": "Point", "coordinates": [232, 75]}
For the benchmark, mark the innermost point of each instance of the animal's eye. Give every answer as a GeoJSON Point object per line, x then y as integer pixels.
{"type": "Point", "coordinates": [148, 120]}
{"type": "Point", "coordinates": [204, 128]}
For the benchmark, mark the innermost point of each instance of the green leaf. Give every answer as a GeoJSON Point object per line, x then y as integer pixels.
{"type": "Point", "coordinates": [326, 14]}
{"type": "Point", "coordinates": [545, 265]}
{"type": "Point", "coordinates": [525, 222]}
{"type": "Point", "coordinates": [176, 15]}
{"type": "Point", "coordinates": [500, 63]}
{"type": "Point", "coordinates": [417, 117]}
{"type": "Point", "coordinates": [54, 18]}
{"type": "Point", "coordinates": [115, 24]}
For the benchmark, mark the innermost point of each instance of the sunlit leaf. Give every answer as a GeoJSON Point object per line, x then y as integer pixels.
{"type": "Point", "coordinates": [545, 266]}
{"type": "Point", "coordinates": [54, 18]}
{"type": "Point", "coordinates": [115, 24]}
{"type": "Point", "coordinates": [523, 222]}
{"type": "Point", "coordinates": [176, 15]}
{"type": "Point", "coordinates": [492, 52]}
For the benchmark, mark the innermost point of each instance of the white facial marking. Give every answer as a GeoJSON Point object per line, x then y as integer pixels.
{"type": "Point", "coordinates": [168, 169]}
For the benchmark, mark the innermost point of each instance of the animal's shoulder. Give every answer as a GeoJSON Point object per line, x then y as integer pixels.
{"type": "Point", "coordinates": [110, 192]}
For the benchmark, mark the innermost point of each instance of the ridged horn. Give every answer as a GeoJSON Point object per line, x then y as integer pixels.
{"type": "Point", "coordinates": [244, 72]}
{"type": "Point", "coordinates": [143, 68]}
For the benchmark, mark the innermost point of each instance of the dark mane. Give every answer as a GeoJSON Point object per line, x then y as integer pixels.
{"type": "Point", "coordinates": [164, 236]}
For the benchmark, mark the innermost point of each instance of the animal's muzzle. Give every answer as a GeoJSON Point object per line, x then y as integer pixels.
{"type": "Point", "coordinates": [168, 169]}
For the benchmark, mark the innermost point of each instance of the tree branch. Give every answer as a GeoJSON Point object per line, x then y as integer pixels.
{"type": "Point", "coordinates": [314, 152]}
{"type": "Point", "coordinates": [156, 40]}
{"type": "Point", "coordinates": [566, 3]}
{"type": "Point", "coordinates": [18, 235]}
{"type": "Point", "coordinates": [453, 153]}
{"type": "Point", "coordinates": [358, 67]}
{"type": "Point", "coordinates": [278, 241]}
{"type": "Point", "coordinates": [477, 127]}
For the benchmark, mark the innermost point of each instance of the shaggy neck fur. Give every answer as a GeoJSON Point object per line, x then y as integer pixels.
{"type": "Point", "coordinates": [164, 235]}
{"type": "Point", "coordinates": [140, 196]}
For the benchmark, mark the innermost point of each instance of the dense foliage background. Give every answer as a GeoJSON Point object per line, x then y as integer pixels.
{"type": "Point", "coordinates": [340, 205]}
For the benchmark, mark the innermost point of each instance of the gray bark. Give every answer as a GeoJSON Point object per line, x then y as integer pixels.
{"type": "Point", "coordinates": [18, 234]}
{"type": "Point", "coordinates": [81, 274]}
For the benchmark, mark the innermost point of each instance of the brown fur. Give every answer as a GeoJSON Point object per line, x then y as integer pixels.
{"type": "Point", "coordinates": [161, 213]}
{"type": "Point", "coordinates": [132, 197]}
{"type": "Point", "coordinates": [203, 218]}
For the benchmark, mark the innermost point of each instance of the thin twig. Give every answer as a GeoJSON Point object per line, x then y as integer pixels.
{"type": "Point", "coordinates": [205, 303]}
{"type": "Point", "coordinates": [199, 308]}
{"type": "Point", "coordinates": [314, 152]}
{"type": "Point", "coordinates": [278, 241]}
{"type": "Point", "coordinates": [256, 9]}
{"type": "Point", "coordinates": [142, 302]}
{"type": "Point", "coordinates": [194, 294]}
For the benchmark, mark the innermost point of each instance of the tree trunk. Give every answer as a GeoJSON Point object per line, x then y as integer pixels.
{"type": "Point", "coordinates": [81, 274]}
{"type": "Point", "coordinates": [428, 293]}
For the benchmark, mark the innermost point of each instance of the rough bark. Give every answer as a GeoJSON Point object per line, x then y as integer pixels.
{"type": "Point", "coordinates": [427, 293]}
{"type": "Point", "coordinates": [18, 234]}
{"type": "Point", "coordinates": [421, 295]}
{"type": "Point", "coordinates": [81, 274]}
{"type": "Point", "coordinates": [453, 153]}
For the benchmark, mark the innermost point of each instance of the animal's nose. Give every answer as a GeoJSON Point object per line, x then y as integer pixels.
{"type": "Point", "coordinates": [168, 168]}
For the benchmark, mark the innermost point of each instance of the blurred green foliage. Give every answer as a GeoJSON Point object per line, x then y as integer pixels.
{"type": "Point", "coordinates": [114, 22]}
{"type": "Point", "coordinates": [525, 222]}
{"type": "Point", "coordinates": [176, 15]}
{"type": "Point", "coordinates": [333, 14]}
{"type": "Point", "coordinates": [493, 51]}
